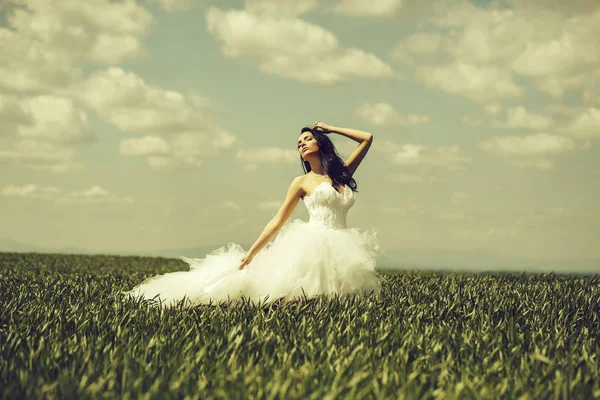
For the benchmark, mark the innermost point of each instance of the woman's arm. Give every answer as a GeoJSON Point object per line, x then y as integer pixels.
{"type": "Point", "coordinates": [354, 134]}
{"type": "Point", "coordinates": [274, 225]}
{"type": "Point", "coordinates": [364, 138]}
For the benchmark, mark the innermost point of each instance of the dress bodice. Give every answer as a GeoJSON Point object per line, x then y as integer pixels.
{"type": "Point", "coordinates": [326, 206]}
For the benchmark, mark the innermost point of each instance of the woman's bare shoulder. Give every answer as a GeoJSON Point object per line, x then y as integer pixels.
{"type": "Point", "coordinates": [299, 182]}
{"type": "Point", "coordinates": [299, 179]}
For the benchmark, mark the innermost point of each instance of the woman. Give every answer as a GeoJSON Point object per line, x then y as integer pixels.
{"type": "Point", "coordinates": [318, 257]}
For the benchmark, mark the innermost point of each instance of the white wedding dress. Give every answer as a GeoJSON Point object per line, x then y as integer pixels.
{"type": "Point", "coordinates": [318, 257]}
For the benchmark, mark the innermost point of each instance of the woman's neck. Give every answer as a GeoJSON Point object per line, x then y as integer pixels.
{"type": "Point", "coordinates": [321, 174]}
{"type": "Point", "coordinates": [316, 167]}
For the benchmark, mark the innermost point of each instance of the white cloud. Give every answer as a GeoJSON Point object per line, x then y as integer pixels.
{"type": "Point", "coordinates": [44, 118]}
{"type": "Point", "coordinates": [482, 235]}
{"type": "Point", "coordinates": [488, 36]}
{"type": "Point", "coordinates": [479, 83]}
{"type": "Point", "coordinates": [541, 163]}
{"type": "Point", "coordinates": [189, 143]}
{"type": "Point", "coordinates": [232, 205]}
{"type": "Point", "coordinates": [42, 51]}
{"type": "Point", "coordinates": [41, 118]}
{"type": "Point", "coordinates": [422, 43]}
{"type": "Point", "coordinates": [467, 49]}
{"type": "Point", "coordinates": [178, 128]}
{"type": "Point", "coordinates": [30, 190]}
{"type": "Point", "coordinates": [450, 158]}
{"type": "Point", "coordinates": [56, 120]}
{"type": "Point", "coordinates": [269, 205]}
{"type": "Point", "coordinates": [395, 210]}
{"type": "Point", "coordinates": [539, 143]}
{"type": "Point", "coordinates": [102, 31]}
{"type": "Point", "coordinates": [420, 46]}
{"type": "Point", "coordinates": [377, 8]}
{"type": "Point", "coordinates": [557, 86]}
{"type": "Point", "coordinates": [406, 206]}
{"type": "Point", "coordinates": [562, 110]}
{"type": "Point", "coordinates": [30, 67]}
{"type": "Point", "coordinates": [95, 194]}
{"type": "Point", "coordinates": [383, 115]}
{"type": "Point", "coordinates": [41, 132]}
{"type": "Point", "coordinates": [555, 50]}
{"type": "Point", "coordinates": [546, 214]}
{"type": "Point", "coordinates": [406, 178]}
{"type": "Point", "coordinates": [281, 8]}
{"type": "Point", "coordinates": [586, 124]}
{"type": "Point", "coordinates": [532, 151]}
{"type": "Point", "coordinates": [175, 5]}
{"type": "Point", "coordinates": [574, 7]}
{"type": "Point", "coordinates": [591, 93]}
{"type": "Point", "coordinates": [492, 108]}
{"type": "Point", "coordinates": [253, 158]}
{"type": "Point", "coordinates": [148, 145]}
{"type": "Point", "coordinates": [520, 118]}
{"type": "Point", "coordinates": [564, 57]}
{"type": "Point", "coordinates": [290, 47]}
{"type": "Point", "coordinates": [470, 121]}
{"type": "Point", "coordinates": [563, 51]}
{"type": "Point", "coordinates": [181, 150]}
{"type": "Point", "coordinates": [12, 117]}
{"type": "Point", "coordinates": [127, 101]}
{"type": "Point", "coordinates": [459, 198]}
{"type": "Point", "coordinates": [450, 216]}
{"type": "Point", "coordinates": [32, 154]}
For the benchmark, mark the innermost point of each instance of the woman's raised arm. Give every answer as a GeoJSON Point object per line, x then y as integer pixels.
{"type": "Point", "coordinates": [365, 139]}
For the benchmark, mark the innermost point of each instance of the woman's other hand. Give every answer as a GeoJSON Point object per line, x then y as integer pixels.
{"type": "Point", "coordinates": [246, 259]}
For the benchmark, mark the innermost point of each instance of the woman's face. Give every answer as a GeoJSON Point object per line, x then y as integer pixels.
{"type": "Point", "coordinates": [307, 144]}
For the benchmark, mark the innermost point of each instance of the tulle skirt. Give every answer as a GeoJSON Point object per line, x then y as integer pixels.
{"type": "Point", "coordinates": [306, 259]}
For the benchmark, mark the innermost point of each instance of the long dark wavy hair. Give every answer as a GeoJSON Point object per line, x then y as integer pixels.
{"type": "Point", "coordinates": [331, 162]}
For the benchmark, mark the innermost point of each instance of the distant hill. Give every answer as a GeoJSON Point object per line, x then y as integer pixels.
{"type": "Point", "coordinates": [435, 259]}
{"type": "Point", "coordinates": [191, 252]}
{"type": "Point", "coordinates": [483, 260]}
{"type": "Point", "coordinates": [8, 245]}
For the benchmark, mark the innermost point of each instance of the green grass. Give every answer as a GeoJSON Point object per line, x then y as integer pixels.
{"type": "Point", "coordinates": [64, 333]}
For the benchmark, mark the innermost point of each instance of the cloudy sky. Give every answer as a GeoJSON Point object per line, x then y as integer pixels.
{"type": "Point", "coordinates": [172, 123]}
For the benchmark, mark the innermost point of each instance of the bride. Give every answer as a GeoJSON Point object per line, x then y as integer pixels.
{"type": "Point", "coordinates": [319, 257]}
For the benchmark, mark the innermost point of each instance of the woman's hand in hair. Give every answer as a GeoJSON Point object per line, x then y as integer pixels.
{"type": "Point", "coordinates": [326, 128]}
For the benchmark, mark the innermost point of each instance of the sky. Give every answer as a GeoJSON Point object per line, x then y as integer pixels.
{"type": "Point", "coordinates": [144, 125]}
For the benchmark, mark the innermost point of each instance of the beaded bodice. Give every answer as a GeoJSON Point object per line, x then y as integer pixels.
{"type": "Point", "coordinates": [327, 206]}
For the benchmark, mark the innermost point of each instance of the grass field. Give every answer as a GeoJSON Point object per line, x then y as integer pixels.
{"type": "Point", "coordinates": [65, 333]}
